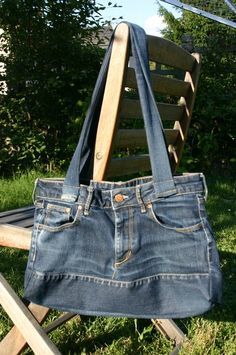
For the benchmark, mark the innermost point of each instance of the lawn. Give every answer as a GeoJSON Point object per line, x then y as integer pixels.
{"type": "Point", "coordinates": [212, 333]}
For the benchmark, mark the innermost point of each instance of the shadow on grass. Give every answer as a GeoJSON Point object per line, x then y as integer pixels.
{"type": "Point", "coordinates": [125, 339]}
{"type": "Point", "coordinates": [12, 266]}
{"type": "Point", "coordinates": [94, 342]}
{"type": "Point", "coordinates": [227, 310]}
{"type": "Point", "coordinates": [221, 205]}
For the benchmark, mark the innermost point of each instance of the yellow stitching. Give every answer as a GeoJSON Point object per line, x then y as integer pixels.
{"type": "Point", "coordinates": [127, 256]}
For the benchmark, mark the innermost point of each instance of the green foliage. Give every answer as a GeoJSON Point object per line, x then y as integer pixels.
{"type": "Point", "coordinates": [21, 142]}
{"type": "Point", "coordinates": [51, 67]}
{"type": "Point", "coordinates": [211, 143]}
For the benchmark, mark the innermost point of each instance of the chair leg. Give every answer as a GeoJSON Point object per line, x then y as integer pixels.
{"type": "Point", "coordinates": [64, 317]}
{"type": "Point", "coordinates": [14, 342]}
{"type": "Point", "coordinates": [25, 321]}
{"type": "Point", "coordinates": [169, 329]}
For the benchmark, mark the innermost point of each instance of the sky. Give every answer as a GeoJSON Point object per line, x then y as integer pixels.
{"type": "Point", "coordinates": [142, 12]}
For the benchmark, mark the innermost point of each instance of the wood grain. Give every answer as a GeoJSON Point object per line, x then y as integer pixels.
{"type": "Point", "coordinates": [24, 320]}
{"type": "Point", "coordinates": [111, 101]}
{"type": "Point", "coordinates": [160, 84]}
{"type": "Point", "coordinates": [131, 109]}
{"type": "Point", "coordinates": [15, 237]}
{"type": "Point", "coordinates": [166, 52]}
{"type": "Point", "coordinates": [134, 138]}
{"type": "Point", "coordinates": [14, 342]}
{"type": "Point", "coordinates": [168, 328]}
{"type": "Point", "coordinates": [188, 102]}
{"type": "Point", "coordinates": [129, 165]}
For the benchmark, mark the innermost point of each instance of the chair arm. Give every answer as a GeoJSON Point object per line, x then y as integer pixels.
{"type": "Point", "coordinates": [15, 237]}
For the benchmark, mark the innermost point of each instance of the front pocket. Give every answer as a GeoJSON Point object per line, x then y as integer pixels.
{"type": "Point", "coordinates": [56, 215]}
{"type": "Point", "coordinates": [177, 213]}
{"type": "Point", "coordinates": [59, 216]}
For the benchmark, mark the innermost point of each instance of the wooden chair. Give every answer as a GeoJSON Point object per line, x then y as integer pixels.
{"type": "Point", "coordinates": [120, 109]}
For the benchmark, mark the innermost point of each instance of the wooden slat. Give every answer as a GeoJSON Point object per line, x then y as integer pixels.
{"type": "Point", "coordinates": [188, 102]}
{"type": "Point", "coordinates": [24, 320]}
{"type": "Point", "coordinates": [111, 103]}
{"type": "Point", "coordinates": [161, 84]}
{"type": "Point", "coordinates": [129, 165]}
{"type": "Point", "coordinates": [14, 342]}
{"type": "Point", "coordinates": [166, 52]}
{"type": "Point", "coordinates": [64, 317]}
{"type": "Point", "coordinates": [168, 328]}
{"type": "Point", "coordinates": [16, 211]}
{"type": "Point", "coordinates": [15, 237]}
{"type": "Point", "coordinates": [25, 223]}
{"type": "Point", "coordinates": [134, 138]}
{"type": "Point", "coordinates": [131, 109]}
{"type": "Point", "coordinates": [17, 216]}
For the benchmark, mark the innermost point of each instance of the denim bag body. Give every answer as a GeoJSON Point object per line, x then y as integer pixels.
{"type": "Point", "coordinates": [141, 248]}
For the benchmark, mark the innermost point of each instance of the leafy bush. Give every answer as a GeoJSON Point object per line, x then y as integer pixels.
{"type": "Point", "coordinates": [211, 142]}
{"type": "Point", "coordinates": [51, 66]}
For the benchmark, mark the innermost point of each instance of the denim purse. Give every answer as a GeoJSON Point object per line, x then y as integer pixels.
{"type": "Point", "coordinates": [141, 248]}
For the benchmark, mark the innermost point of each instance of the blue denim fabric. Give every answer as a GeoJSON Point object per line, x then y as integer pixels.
{"type": "Point", "coordinates": [141, 248]}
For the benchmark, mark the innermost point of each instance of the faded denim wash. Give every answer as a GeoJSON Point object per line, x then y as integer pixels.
{"type": "Point", "coordinates": [141, 248]}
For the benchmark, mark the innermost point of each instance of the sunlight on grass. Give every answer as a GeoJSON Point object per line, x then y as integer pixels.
{"type": "Point", "coordinates": [204, 338]}
{"type": "Point", "coordinates": [17, 191]}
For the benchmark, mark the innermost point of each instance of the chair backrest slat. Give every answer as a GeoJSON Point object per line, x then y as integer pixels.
{"type": "Point", "coordinates": [161, 84]}
{"type": "Point", "coordinates": [136, 138]}
{"type": "Point", "coordinates": [174, 78]}
{"type": "Point", "coordinates": [131, 109]}
{"type": "Point", "coordinates": [127, 165]}
{"type": "Point", "coordinates": [166, 52]}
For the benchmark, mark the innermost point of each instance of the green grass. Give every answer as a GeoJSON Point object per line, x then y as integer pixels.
{"type": "Point", "coordinates": [213, 333]}
{"type": "Point", "coordinates": [17, 191]}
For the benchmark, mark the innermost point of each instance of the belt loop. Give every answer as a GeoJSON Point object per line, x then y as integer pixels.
{"type": "Point", "coordinates": [139, 199]}
{"type": "Point", "coordinates": [90, 190]}
{"type": "Point", "coordinates": [205, 185]}
{"type": "Point", "coordinates": [34, 191]}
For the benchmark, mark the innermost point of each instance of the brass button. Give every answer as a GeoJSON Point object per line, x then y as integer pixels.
{"type": "Point", "coordinates": [119, 198]}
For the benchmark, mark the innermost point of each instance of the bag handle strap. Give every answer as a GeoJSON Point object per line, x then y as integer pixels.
{"type": "Point", "coordinates": [162, 175]}
{"type": "Point", "coordinates": [80, 163]}
{"type": "Point", "coordinates": [160, 165]}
